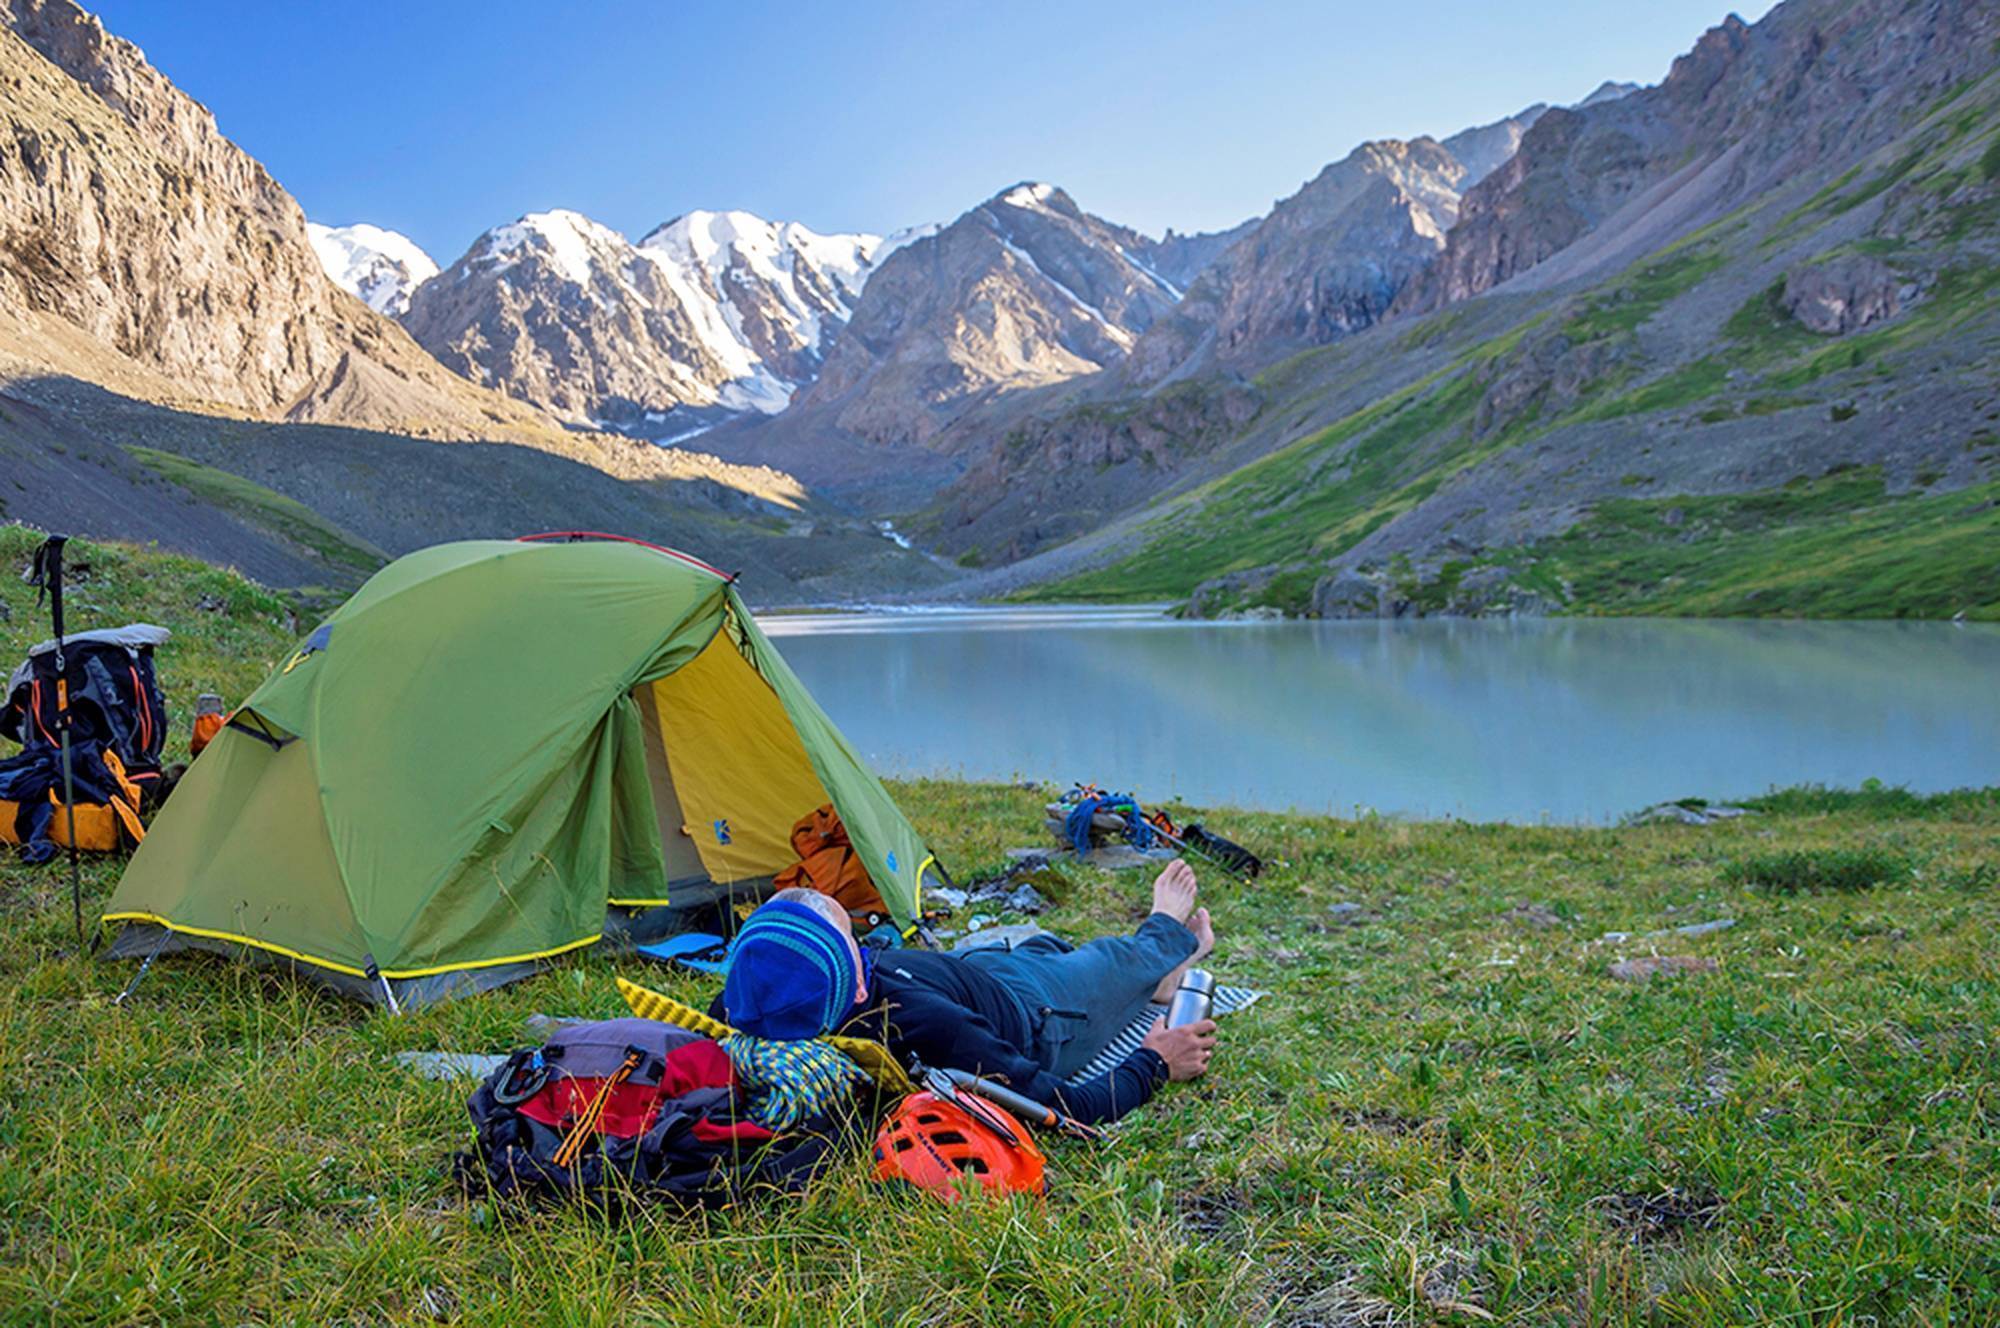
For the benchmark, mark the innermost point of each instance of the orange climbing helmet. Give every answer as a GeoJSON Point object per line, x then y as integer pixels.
{"type": "Point", "coordinates": [931, 1141]}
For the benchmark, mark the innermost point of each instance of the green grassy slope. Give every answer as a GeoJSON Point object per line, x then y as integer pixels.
{"type": "Point", "coordinates": [342, 551]}
{"type": "Point", "coordinates": [1447, 1111]}
{"type": "Point", "coordinates": [1620, 379]}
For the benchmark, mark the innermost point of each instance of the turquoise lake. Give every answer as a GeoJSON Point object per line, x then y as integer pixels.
{"type": "Point", "coordinates": [1569, 720]}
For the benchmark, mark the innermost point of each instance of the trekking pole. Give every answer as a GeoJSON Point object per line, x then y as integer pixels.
{"type": "Point", "coordinates": [1020, 1104]}
{"type": "Point", "coordinates": [1198, 851]}
{"type": "Point", "coordinates": [47, 578]}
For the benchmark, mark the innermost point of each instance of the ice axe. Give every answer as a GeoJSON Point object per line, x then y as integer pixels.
{"type": "Point", "coordinates": [46, 575]}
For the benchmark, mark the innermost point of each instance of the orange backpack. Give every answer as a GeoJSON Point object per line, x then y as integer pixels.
{"type": "Point", "coordinates": [828, 863]}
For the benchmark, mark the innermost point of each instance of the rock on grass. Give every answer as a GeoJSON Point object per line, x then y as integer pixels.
{"type": "Point", "coordinates": [1647, 967]}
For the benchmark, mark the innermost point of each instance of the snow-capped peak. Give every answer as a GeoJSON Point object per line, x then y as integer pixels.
{"type": "Point", "coordinates": [769, 251]}
{"type": "Point", "coordinates": [1028, 194]}
{"type": "Point", "coordinates": [765, 297]}
{"type": "Point", "coordinates": [570, 240]}
{"type": "Point", "coordinates": [380, 266]}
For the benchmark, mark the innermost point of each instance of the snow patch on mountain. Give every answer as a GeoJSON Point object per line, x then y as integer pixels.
{"type": "Point", "coordinates": [571, 241]}
{"type": "Point", "coordinates": [766, 297]}
{"type": "Point", "coordinates": [908, 235]}
{"type": "Point", "coordinates": [380, 266]}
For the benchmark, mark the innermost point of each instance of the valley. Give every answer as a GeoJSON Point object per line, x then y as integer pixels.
{"type": "Point", "coordinates": [1724, 345]}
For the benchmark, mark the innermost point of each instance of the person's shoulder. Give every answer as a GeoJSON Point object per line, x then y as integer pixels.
{"type": "Point", "coordinates": [915, 965]}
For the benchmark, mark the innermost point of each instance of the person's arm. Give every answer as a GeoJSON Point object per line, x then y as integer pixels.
{"type": "Point", "coordinates": [960, 1039]}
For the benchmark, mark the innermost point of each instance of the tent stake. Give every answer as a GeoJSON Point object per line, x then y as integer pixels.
{"type": "Point", "coordinates": [388, 993]}
{"type": "Point", "coordinates": [145, 966]}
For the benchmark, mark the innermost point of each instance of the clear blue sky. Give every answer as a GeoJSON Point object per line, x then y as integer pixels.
{"type": "Point", "coordinates": [441, 119]}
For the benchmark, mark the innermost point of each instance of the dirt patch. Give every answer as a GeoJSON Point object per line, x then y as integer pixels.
{"type": "Point", "coordinates": [1207, 1215]}
{"type": "Point", "coordinates": [1665, 1215]}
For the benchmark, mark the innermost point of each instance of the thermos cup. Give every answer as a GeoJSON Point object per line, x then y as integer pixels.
{"type": "Point", "coordinates": [1193, 999]}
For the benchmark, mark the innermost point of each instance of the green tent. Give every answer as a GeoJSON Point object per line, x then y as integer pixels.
{"type": "Point", "coordinates": [489, 754]}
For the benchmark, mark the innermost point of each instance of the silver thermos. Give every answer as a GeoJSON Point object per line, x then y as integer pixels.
{"type": "Point", "coordinates": [1193, 999]}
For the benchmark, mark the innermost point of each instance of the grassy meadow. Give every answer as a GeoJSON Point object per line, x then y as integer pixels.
{"type": "Point", "coordinates": [1448, 1111]}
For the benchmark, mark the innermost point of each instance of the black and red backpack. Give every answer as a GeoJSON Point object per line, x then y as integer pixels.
{"type": "Point", "coordinates": [117, 732]}
{"type": "Point", "coordinates": [632, 1109]}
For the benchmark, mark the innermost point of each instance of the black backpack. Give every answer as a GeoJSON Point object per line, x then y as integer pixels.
{"type": "Point", "coordinates": [114, 699]}
{"type": "Point", "coordinates": [117, 731]}
{"type": "Point", "coordinates": [632, 1109]}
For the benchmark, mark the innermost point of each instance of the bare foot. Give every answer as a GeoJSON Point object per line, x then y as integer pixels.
{"type": "Point", "coordinates": [1204, 943]}
{"type": "Point", "coordinates": [1173, 892]}
{"type": "Point", "coordinates": [1204, 935]}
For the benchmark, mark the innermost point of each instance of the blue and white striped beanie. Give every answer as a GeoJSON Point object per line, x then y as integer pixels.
{"type": "Point", "coordinates": [791, 974]}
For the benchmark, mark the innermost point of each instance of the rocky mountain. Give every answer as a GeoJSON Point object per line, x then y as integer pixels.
{"type": "Point", "coordinates": [1325, 263]}
{"type": "Point", "coordinates": [1181, 258]}
{"type": "Point", "coordinates": [380, 267]}
{"type": "Point", "coordinates": [1026, 288]}
{"type": "Point", "coordinates": [176, 364]}
{"type": "Point", "coordinates": [1483, 149]}
{"type": "Point", "coordinates": [710, 315]}
{"type": "Point", "coordinates": [1741, 113]}
{"type": "Point", "coordinates": [1725, 345]}
{"type": "Point", "coordinates": [136, 234]}
{"type": "Point", "coordinates": [1022, 291]}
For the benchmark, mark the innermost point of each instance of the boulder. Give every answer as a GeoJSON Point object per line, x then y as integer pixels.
{"type": "Point", "coordinates": [1350, 595]}
{"type": "Point", "coordinates": [1842, 295]}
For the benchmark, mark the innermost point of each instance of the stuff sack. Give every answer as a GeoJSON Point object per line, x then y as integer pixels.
{"type": "Point", "coordinates": [631, 1108]}
{"type": "Point", "coordinates": [828, 863]}
{"type": "Point", "coordinates": [32, 813]}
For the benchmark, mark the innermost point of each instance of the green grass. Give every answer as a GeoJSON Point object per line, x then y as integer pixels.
{"type": "Point", "coordinates": [347, 555]}
{"type": "Point", "coordinates": [1643, 292]}
{"type": "Point", "coordinates": [1836, 547]}
{"type": "Point", "coordinates": [1808, 869]}
{"type": "Point", "coordinates": [1959, 294]}
{"type": "Point", "coordinates": [1322, 493]}
{"type": "Point", "coordinates": [1878, 800]}
{"type": "Point", "coordinates": [1445, 1102]}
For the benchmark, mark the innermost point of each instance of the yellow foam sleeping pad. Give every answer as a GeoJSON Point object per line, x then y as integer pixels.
{"type": "Point", "coordinates": [873, 1058]}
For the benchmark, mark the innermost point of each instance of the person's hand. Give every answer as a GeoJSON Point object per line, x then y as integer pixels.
{"type": "Point", "coordinates": [1185, 1049]}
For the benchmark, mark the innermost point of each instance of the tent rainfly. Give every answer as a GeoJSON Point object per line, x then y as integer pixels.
{"type": "Point", "coordinates": [485, 755]}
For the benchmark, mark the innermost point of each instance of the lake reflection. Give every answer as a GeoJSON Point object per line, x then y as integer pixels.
{"type": "Point", "coordinates": [1571, 720]}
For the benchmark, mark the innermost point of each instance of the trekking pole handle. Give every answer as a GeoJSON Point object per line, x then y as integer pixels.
{"type": "Point", "coordinates": [1046, 1117]}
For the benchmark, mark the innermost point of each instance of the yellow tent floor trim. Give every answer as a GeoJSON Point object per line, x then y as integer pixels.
{"type": "Point", "coordinates": [348, 969]}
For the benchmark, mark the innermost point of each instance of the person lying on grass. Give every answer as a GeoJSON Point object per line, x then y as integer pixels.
{"type": "Point", "coordinates": [1030, 1016]}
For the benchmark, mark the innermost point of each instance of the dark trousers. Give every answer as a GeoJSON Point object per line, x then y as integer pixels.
{"type": "Point", "coordinates": [1078, 997]}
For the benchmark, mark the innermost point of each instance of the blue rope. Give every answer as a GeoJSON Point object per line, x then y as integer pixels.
{"type": "Point", "coordinates": [1138, 830]}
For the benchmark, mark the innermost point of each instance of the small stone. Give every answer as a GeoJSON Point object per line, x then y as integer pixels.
{"type": "Point", "coordinates": [211, 604]}
{"type": "Point", "coordinates": [1026, 899]}
{"type": "Point", "coordinates": [980, 920]}
{"type": "Point", "coordinates": [1347, 912]}
{"type": "Point", "coordinates": [995, 937]}
{"type": "Point", "coordinates": [1647, 967]}
{"type": "Point", "coordinates": [1533, 914]}
{"type": "Point", "coordinates": [947, 896]}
